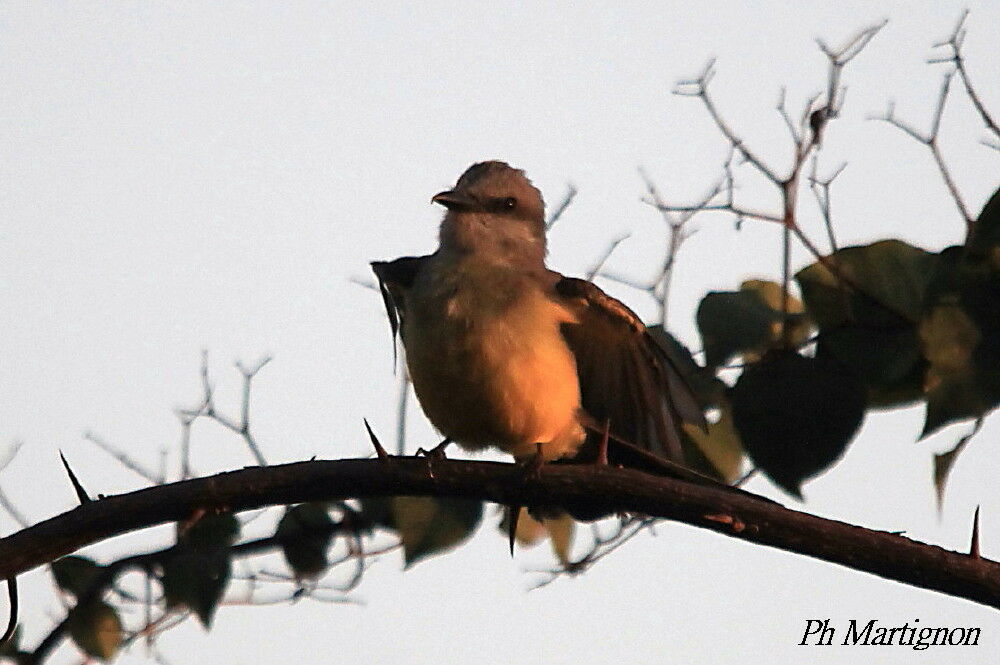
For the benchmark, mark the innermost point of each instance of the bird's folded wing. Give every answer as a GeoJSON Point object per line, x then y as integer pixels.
{"type": "Point", "coordinates": [626, 377]}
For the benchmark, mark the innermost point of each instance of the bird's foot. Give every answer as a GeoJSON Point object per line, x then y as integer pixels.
{"type": "Point", "coordinates": [531, 467]}
{"type": "Point", "coordinates": [437, 452]}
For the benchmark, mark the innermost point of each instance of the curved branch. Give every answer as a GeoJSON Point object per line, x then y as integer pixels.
{"type": "Point", "coordinates": [585, 488]}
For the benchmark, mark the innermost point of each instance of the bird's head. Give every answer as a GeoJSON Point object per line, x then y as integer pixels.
{"type": "Point", "coordinates": [495, 212]}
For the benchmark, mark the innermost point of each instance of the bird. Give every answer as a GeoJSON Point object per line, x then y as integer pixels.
{"type": "Point", "coordinates": [505, 353]}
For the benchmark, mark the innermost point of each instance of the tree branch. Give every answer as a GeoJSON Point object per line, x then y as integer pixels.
{"type": "Point", "coordinates": [590, 488]}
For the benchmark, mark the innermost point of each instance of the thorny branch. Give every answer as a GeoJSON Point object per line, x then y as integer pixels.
{"type": "Point", "coordinates": [584, 487]}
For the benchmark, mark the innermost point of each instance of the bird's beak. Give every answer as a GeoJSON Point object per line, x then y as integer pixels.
{"type": "Point", "coordinates": [454, 200]}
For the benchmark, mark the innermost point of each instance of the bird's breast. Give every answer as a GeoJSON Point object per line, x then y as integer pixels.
{"type": "Point", "coordinates": [489, 364]}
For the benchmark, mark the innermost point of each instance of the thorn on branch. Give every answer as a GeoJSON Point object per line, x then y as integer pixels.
{"type": "Point", "coordinates": [513, 517]}
{"type": "Point", "coordinates": [379, 450]}
{"type": "Point", "coordinates": [81, 493]}
{"type": "Point", "coordinates": [974, 544]}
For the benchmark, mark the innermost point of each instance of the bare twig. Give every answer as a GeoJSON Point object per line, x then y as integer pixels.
{"type": "Point", "coordinates": [207, 409]}
{"type": "Point", "coordinates": [628, 527]}
{"type": "Point", "coordinates": [806, 139]}
{"type": "Point", "coordinates": [954, 42]}
{"type": "Point", "coordinates": [611, 248]}
{"type": "Point", "coordinates": [558, 211]}
{"type": "Point", "coordinates": [930, 139]}
{"type": "Point", "coordinates": [5, 502]}
{"type": "Point", "coordinates": [821, 190]}
{"type": "Point", "coordinates": [127, 461]}
{"type": "Point", "coordinates": [698, 87]}
{"type": "Point", "coordinates": [402, 403]}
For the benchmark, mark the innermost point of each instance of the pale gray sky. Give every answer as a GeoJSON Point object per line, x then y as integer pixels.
{"type": "Point", "coordinates": [187, 175]}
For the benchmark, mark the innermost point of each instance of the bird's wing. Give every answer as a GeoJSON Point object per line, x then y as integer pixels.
{"type": "Point", "coordinates": [395, 278]}
{"type": "Point", "coordinates": [627, 378]}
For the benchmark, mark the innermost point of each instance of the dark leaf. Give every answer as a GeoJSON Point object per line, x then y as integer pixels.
{"type": "Point", "coordinates": [196, 578]}
{"type": "Point", "coordinates": [429, 526]}
{"type": "Point", "coordinates": [731, 322]}
{"type": "Point", "coordinates": [796, 415]}
{"type": "Point", "coordinates": [197, 573]}
{"type": "Point", "coordinates": [943, 462]}
{"type": "Point", "coordinates": [96, 629]}
{"type": "Point", "coordinates": [75, 574]}
{"type": "Point", "coordinates": [873, 331]}
{"type": "Point", "coordinates": [211, 531]}
{"type": "Point", "coordinates": [985, 240]}
{"type": "Point", "coordinates": [376, 512]}
{"type": "Point", "coordinates": [11, 648]}
{"type": "Point", "coordinates": [305, 532]}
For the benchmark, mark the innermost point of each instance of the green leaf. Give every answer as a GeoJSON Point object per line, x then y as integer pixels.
{"type": "Point", "coordinates": [96, 629]}
{"type": "Point", "coordinates": [557, 525]}
{"type": "Point", "coordinates": [873, 331]}
{"type": "Point", "coordinates": [429, 526]}
{"type": "Point", "coordinates": [721, 444]}
{"type": "Point", "coordinates": [305, 532]}
{"type": "Point", "coordinates": [960, 340]}
{"type": "Point", "coordinates": [949, 338]}
{"type": "Point", "coordinates": [731, 322]}
{"type": "Point", "coordinates": [75, 574]}
{"type": "Point", "coordinates": [796, 415]}
{"type": "Point", "coordinates": [560, 530]}
{"type": "Point", "coordinates": [985, 240]}
{"type": "Point", "coordinates": [529, 530]}
{"type": "Point", "coordinates": [747, 322]}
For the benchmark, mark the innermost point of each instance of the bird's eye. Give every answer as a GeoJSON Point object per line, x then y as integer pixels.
{"type": "Point", "coordinates": [510, 203]}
